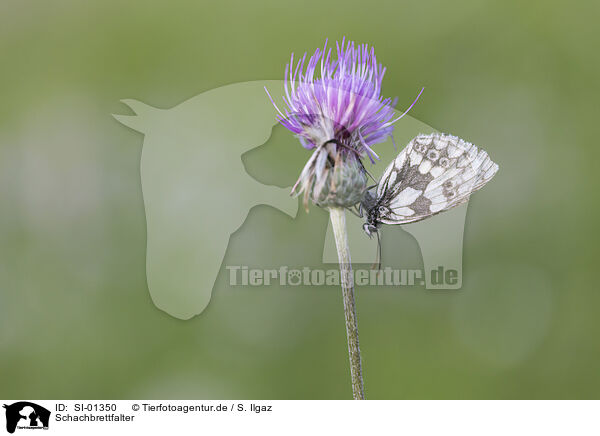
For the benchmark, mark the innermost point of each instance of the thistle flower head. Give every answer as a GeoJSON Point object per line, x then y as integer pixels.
{"type": "Point", "coordinates": [335, 107]}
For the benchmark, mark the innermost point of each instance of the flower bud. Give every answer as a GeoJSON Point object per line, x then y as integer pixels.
{"type": "Point", "coordinates": [333, 177]}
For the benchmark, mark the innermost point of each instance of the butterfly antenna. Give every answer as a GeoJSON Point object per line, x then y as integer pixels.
{"type": "Point", "coordinates": [352, 211]}
{"type": "Point", "coordinates": [370, 175]}
{"type": "Point", "coordinates": [342, 145]}
{"type": "Point", "coordinates": [367, 171]}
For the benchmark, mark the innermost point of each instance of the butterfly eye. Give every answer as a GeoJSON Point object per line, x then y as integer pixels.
{"type": "Point", "coordinates": [432, 155]}
{"type": "Point", "coordinates": [382, 210]}
{"type": "Point", "coordinates": [444, 162]}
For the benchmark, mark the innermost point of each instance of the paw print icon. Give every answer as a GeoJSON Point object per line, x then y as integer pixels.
{"type": "Point", "coordinates": [294, 277]}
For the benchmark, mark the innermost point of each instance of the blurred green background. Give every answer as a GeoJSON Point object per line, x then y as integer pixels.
{"type": "Point", "coordinates": [76, 319]}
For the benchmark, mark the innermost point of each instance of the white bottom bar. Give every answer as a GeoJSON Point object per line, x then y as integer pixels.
{"type": "Point", "coordinates": [308, 417]}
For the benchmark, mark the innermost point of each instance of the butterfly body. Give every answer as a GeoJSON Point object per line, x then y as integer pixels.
{"type": "Point", "coordinates": [432, 174]}
{"type": "Point", "coordinates": [368, 207]}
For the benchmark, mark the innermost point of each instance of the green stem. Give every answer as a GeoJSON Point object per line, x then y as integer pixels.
{"type": "Point", "coordinates": [338, 221]}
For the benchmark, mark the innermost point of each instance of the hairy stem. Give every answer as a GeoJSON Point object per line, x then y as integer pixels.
{"type": "Point", "coordinates": [338, 221]}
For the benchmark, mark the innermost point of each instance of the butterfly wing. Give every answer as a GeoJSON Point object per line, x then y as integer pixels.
{"type": "Point", "coordinates": [432, 174]}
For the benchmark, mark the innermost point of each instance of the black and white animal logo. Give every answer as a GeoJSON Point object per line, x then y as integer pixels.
{"type": "Point", "coordinates": [26, 415]}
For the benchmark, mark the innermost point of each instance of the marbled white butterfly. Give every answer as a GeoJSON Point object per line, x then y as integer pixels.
{"type": "Point", "coordinates": [432, 174]}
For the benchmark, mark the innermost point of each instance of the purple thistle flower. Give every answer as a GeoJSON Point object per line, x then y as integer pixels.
{"type": "Point", "coordinates": [339, 114]}
{"type": "Point", "coordinates": [343, 104]}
